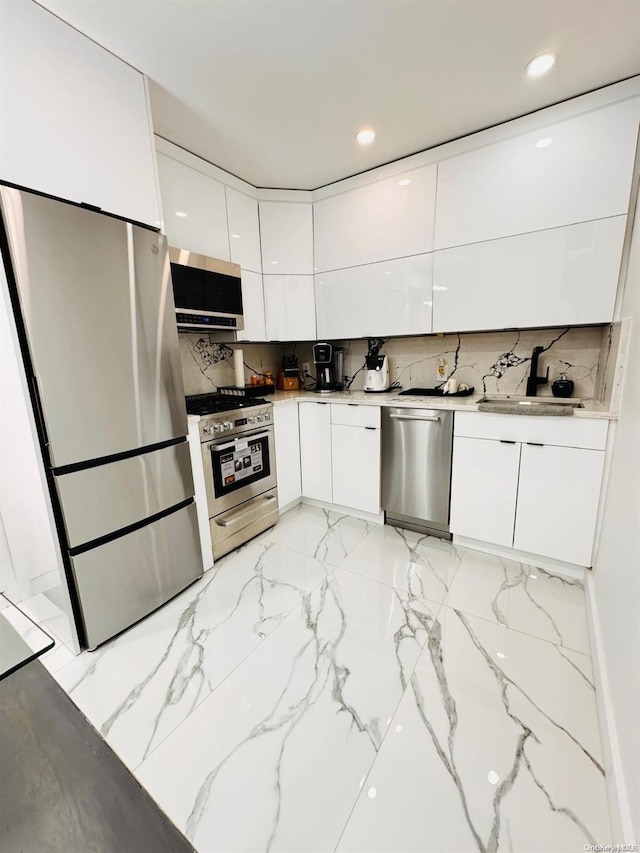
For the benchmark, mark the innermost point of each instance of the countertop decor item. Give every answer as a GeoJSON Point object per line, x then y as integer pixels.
{"type": "Point", "coordinates": [562, 387]}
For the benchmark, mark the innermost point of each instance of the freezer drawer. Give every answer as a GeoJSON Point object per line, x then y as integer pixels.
{"type": "Point", "coordinates": [120, 582]}
{"type": "Point", "coordinates": [416, 476]}
{"type": "Point", "coordinates": [104, 499]}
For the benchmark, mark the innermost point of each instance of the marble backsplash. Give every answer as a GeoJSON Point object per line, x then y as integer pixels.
{"type": "Point", "coordinates": [207, 364]}
{"type": "Point", "coordinates": [491, 362]}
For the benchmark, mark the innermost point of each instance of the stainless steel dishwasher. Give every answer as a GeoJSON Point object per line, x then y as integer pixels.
{"type": "Point", "coordinates": [416, 468]}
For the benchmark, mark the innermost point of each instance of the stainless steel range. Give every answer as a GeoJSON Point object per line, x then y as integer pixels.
{"type": "Point", "coordinates": [238, 455]}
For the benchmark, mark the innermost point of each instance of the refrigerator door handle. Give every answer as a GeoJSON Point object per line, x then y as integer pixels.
{"type": "Point", "coordinates": [37, 405]}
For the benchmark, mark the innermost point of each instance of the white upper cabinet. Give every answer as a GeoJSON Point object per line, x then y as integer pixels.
{"type": "Point", "coordinates": [391, 218]}
{"type": "Point", "coordinates": [253, 308]}
{"type": "Point", "coordinates": [195, 209]}
{"type": "Point", "coordinates": [244, 230]}
{"type": "Point", "coordinates": [572, 171]}
{"type": "Point", "coordinates": [563, 276]}
{"type": "Point", "coordinates": [286, 235]}
{"type": "Point", "coordinates": [376, 300]}
{"type": "Point", "coordinates": [75, 122]}
{"type": "Point", "coordinates": [290, 307]}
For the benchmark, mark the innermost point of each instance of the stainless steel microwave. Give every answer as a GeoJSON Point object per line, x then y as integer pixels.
{"type": "Point", "coordinates": [207, 292]}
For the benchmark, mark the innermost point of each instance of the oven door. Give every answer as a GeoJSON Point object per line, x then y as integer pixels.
{"type": "Point", "coordinates": [238, 468]}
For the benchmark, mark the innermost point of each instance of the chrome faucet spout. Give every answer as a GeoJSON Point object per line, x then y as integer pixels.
{"type": "Point", "coordinates": [534, 380]}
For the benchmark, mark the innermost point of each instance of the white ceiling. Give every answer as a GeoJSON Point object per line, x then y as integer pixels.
{"type": "Point", "coordinates": [274, 90]}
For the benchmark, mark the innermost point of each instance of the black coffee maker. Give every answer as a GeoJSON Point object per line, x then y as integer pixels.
{"type": "Point", "coordinates": [329, 367]}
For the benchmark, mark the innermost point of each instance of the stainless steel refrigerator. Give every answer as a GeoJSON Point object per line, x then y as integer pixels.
{"type": "Point", "coordinates": [95, 316]}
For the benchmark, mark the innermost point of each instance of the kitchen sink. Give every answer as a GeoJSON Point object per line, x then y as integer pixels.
{"type": "Point", "coordinates": [514, 404]}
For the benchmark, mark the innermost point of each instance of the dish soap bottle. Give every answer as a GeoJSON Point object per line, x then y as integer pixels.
{"type": "Point", "coordinates": [441, 372]}
{"type": "Point", "coordinates": [562, 387]}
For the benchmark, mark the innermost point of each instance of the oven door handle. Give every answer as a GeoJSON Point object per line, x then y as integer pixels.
{"type": "Point", "coordinates": [245, 437]}
{"type": "Point", "coordinates": [238, 516]}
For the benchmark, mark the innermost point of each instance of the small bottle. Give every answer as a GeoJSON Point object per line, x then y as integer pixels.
{"type": "Point", "coordinates": [268, 377]}
{"type": "Point", "coordinates": [442, 370]}
{"type": "Point", "coordinates": [254, 379]}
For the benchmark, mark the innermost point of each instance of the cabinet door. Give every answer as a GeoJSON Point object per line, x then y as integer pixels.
{"type": "Point", "coordinates": [565, 276]}
{"type": "Point", "coordinates": [376, 300]}
{"type": "Point", "coordinates": [315, 451]}
{"type": "Point", "coordinates": [244, 230]}
{"type": "Point", "coordinates": [286, 235]}
{"type": "Point", "coordinates": [253, 308]}
{"type": "Point", "coordinates": [75, 122]}
{"type": "Point", "coordinates": [355, 465]}
{"type": "Point", "coordinates": [484, 484]}
{"type": "Point", "coordinates": [287, 439]}
{"type": "Point", "coordinates": [202, 227]}
{"type": "Point", "coordinates": [514, 186]}
{"type": "Point", "coordinates": [558, 499]}
{"type": "Point", "coordinates": [391, 218]}
{"type": "Point", "coordinates": [290, 307]}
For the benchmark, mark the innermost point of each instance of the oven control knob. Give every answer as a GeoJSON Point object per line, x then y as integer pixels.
{"type": "Point", "coordinates": [267, 416]}
{"type": "Point", "coordinates": [228, 425]}
{"type": "Point", "coordinates": [260, 418]}
{"type": "Point", "coordinates": [251, 420]}
{"type": "Point", "coordinates": [208, 429]}
{"type": "Point", "coordinates": [218, 427]}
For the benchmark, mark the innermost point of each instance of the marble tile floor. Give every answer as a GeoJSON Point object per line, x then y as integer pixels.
{"type": "Point", "coordinates": [340, 686]}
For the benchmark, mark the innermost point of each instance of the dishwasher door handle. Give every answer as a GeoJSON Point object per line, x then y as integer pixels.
{"type": "Point", "coordinates": [434, 418]}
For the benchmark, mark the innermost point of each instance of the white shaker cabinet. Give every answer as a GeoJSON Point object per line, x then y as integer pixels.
{"type": "Point", "coordinates": [75, 122]}
{"type": "Point", "coordinates": [286, 235]}
{"type": "Point", "coordinates": [290, 307]}
{"type": "Point", "coordinates": [253, 308]}
{"type": "Point", "coordinates": [558, 494]}
{"type": "Point", "coordinates": [244, 230]}
{"type": "Point", "coordinates": [389, 218]}
{"type": "Point", "coordinates": [562, 276]}
{"type": "Point", "coordinates": [195, 209]}
{"type": "Point", "coordinates": [484, 484]}
{"type": "Point", "coordinates": [572, 171]}
{"type": "Point", "coordinates": [315, 450]}
{"type": "Point", "coordinates": [355, 456]}
{"type": "Point", "coordinates": [287, 442]}
{"type": "Point", "coordinates": [376, 300]}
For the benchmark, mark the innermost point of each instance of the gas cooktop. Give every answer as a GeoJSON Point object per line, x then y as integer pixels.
{"type": "Point", "coordinates": [211, 404]}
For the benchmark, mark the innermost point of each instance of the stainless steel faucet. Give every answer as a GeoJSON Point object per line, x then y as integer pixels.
{"type": "Point", "coordinates": [534, 380]}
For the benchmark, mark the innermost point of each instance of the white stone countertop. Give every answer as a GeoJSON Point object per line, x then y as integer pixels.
{"type": "Point", "coordinates": [591, 408]}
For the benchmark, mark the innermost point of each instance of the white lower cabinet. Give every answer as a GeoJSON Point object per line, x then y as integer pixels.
{"type": "Point", "coordinates": [484, 485]}
{"type": "Point", "coordinates": [290, 307]}
{"type": "Point", "coordinates": [355, 456]}
{"type": "Point", "coordinates": [315, 450]}
{"type": "Point", "coordinates": [558, 498]}
{"type": "Point", "coordinates": [340, 454]}
{"type": "Point", "coordinates": [287, 442]}
{"type": "Point", "coordinates": [538, 494]}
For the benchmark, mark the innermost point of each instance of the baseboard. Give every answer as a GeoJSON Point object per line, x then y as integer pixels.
{"type": "Point", "coordinates": [346, 510]}
{"type": "Point", "coordinates": [619, 808]}
{"type": "Point", "coordinates": [569, 570]}
{"type": "Point", "coordinates": [291, 505]}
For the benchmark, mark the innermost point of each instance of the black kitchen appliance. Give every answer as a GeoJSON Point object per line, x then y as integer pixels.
{"type": "Point", "coordinates": [329, 362]}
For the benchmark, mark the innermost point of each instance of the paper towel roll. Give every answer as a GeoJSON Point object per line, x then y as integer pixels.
{"type": "Point", "coordinates": [238, 367]}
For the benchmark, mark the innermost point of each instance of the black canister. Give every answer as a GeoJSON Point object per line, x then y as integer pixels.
{"type": "Point", "coordinates": [562, 387]}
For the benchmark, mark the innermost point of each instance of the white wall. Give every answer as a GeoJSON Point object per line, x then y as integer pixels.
{"type": "Point", "coordinates": [8, 580]}
{"type": "Point", "coordinates": [616, 577]}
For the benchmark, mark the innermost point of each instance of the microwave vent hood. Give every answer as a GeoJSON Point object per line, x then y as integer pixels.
{"type": "Point", "coordinates": [207, 292]}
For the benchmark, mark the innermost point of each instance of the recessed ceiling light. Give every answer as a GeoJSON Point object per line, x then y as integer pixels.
{"type": "Point", "coordinates": [235, 236]}
{"type": "Point", "coordinates": [274, 262]}
{"type": "Point", "coordinates": [544, 143]}
{"type": "Point", "coordinates": [539, 65]}
{"type": "Point", "coordinates": [181, 214]}
{"type": "Point", "coordinates": [366, 136]}
{"type": "Point", "coordinates": [404, 182]}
